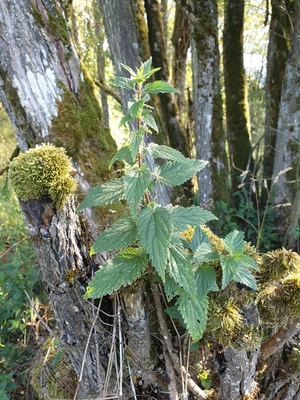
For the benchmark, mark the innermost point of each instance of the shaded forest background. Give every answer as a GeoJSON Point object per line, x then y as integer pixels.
{"type": "Point", "coordinates": [236, 65]}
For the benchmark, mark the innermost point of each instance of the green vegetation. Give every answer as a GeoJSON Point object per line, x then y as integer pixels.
{"type": "Point", "coordinates": [149, 237]}
{"type": "Point", "coordinates": [42, 172]}
{"type": "Point", "coordinates": [19, 272]}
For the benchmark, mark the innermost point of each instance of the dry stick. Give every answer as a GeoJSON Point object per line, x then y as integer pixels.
{"type": "Point", "coordinates": [194, 388]}
{"type": "Point", "coordinates": [120, 347]}
{"type": "Point", "coordinates": [86, 349]}
{"type": "Point", "coordinates": [131, 381]}
{"type": "Point", "coordinates": [282, 336]}
{"type": "Point", "coordinates": [170, 368]}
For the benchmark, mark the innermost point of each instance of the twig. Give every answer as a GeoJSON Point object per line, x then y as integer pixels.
{"type": "Point", "coordinates": [194, 388]}
{"type": "Point", "coordinates": [12, 246]}
{"type": "Point", "coordinates": [120, 347]}
{"type": "Point", "coordinates": [282, 336]}
{"type": "Point", "coordinates": [131, 381]}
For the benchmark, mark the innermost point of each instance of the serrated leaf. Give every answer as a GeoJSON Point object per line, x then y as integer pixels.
{"type": "Point", "coordinates": [198, 238]}
{"type": "Point", "coordinates": [149, 121]}
{"type": "Point", "coordinates": [136, 183]}
{"type": "Point", "coordinates": [176, 173]}
{"type": "Point", "coordinates": [125, 119]}
{"type": "Point", "coordinates": [123, 154]}
{"type": "Point", "coordinates": [179, 265]}
{"type": "Point", "coordinates": [119, 235]}
{"type": "Point", "coordinates": [136, 108]}
{"type": "Point", "coordinates": [246, 261]}
{"type": "Point", "coordinates": [159, 87]}
{"type": "Point", "coordinates": [108, 193]}
{"type": "Point", "coordinates": [136, 138]}
{"type": "Point", "coordinates": [123, 82]}
{"type": "Point", "coordinates": [183, 217]}
{"type": "Point", "coordinates": [194, 314]}
{"type": "Point", "coordinates": [244, 276]}
{"type": "Point", "coordinates": [165, 152]}
{"type": "Point", "coordinates": [205, 253]}
{"type": "Point", "coordinates": [205, 277]}
{"type": "Point", "coordinates": [122, 270]}
{"type": "Point", "coordinates": [229, 268]}
{"type": "Point", "coordinates": [155, 230]}
{"type": "Point", "coordinates": [130, 70]}
{"type": "Point", "coordinates": [234, 242]}
{"type": "Point", "coordinates": [171, 288]}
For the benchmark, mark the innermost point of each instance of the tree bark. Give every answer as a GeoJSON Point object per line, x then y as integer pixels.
{"type": "Point", "coordinates": [208, 114]}
{"type": "Point", "coordinates": [287, 140]}
{"type": "Point", "coordinates": [237, 115]}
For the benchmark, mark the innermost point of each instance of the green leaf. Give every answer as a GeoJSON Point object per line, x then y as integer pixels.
{"type": "Point", "coordinates": [194, 314]}
{"type": "Point", "coordinates": [244, 276]}
{"type": "Point", "coordinates": [108, 193]}
{"type": "Point", "coordinates": [205, 277]}
{"type": "Point", "coordinates": [234, 242]}
{"type": "Point", "coordinates": [149, 120]}
{"type": "Point", "coordinates": [136, 138]}
{"type": "Point", "coordinates": [246, 261]}
{"type": "Point", "coordinates": [155, 229]}
{"type": "Point", "coordinates": [136, 183]}
{"type": "Point", "coordinates": [119, 235]}
{"type": "Point", "coordinates": [171, 288]}
{"type": "Point", "coordinates": [165, 152]}
{"type": "Point", "coordinates": [198, 238]}
{"type": "Point", "coordinates": [229, 268]}
{"type": "Point", "coordinates": [159, 87]}
{"type": "Point", "coordinates": [175, 173]}
{"type": "Point", "coordinates": [130, 70]}
{"type": "Point", "coordinates": [123, 82]}
{"type": "Point", "coordinates": [123, 154]}
{"type": "Point", "coordinates": [125, 119]}
{"type": "Point", "coordinates": [179, 265]}
{"type": "Point", "coordinates": [193, 216]}
{"type": "Point", "coordinates": [122, 270]}
{"type": "Point", "coordinates": [205, 253]}
{"type": "Point", "coordinates": [136, 108]}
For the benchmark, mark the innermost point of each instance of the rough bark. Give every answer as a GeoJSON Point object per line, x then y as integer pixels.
{"type": "Point", "coordinates": [237, 116]}
{"type": "Point", "coordinates": [287, 140]}
{"type": "Point", "coordinates": [209, 133]}
{"type": "Point", "coordinates": [280, 28]}
{"type": "Point", "coordinates": [62, 250]}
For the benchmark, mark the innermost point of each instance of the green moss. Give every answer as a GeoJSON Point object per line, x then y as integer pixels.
{"type": "Point", "coordinates": [52, 375]}
{"type": "Point", "coordinates": [278, 263]}
{"type": "Point", "coordinates": [78, 127]}
{"type": "Point", "coordinates": [42, 172]}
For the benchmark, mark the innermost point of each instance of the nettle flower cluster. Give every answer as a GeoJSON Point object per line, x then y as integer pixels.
{"type": "Point", "coordinates": [150, 238]}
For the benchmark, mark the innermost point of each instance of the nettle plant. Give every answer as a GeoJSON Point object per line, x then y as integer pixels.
{"type": "Point", "coordinates": [152, 238]}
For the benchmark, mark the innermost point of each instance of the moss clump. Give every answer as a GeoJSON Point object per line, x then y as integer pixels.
{"type": "Point", "coordinates": [278, 263]}
{"type": "Point", "coordinates": [42, 172]}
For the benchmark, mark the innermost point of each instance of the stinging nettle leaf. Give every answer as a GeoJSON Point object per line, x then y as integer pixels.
{"type": "Point", "coordinates": [234, 242]}
{"type": "Point", "coordinates": [229, 268]}
{"type": "Point", "coordinates": [165, 152]}
{"type": "Point", "coordinates": [244, 276]}
{"type": "Point", "coordinates": [176, 173]}
{"type": "Point", "coordinates": [183, 217]}
{"type": "Point", "coordinates": [135, 108]}
{"type": "Point", "coordinates": [136, 138]}
{"type": "Point", "coordinates": [123, 154]}
{"type": "Point", "coordinates": [198, 238]}
{"type": "Point", "coordinates": [159, 87]}
{"type": "Point", "coordinates": [194, 313]}
{"type": "Point", "coordinates": [205, 253]}
{"type": "Point", "coordinates": [136, 184]}
{"type": "Point", "coordinates": [155, 230]}
{"type": "Point", "coordinates": [119, 235]}
{"type": "Point", "coordinates": [108, 193]}
{"type": "Point", "coordinates": [148, 120]}
{"type": "Point", "coordinates": [130, 70]}
{"type": "Point", "coordinates": [125, 119]}
{"type": "Point", "coordinates": [123, 82]}
{"type": "Point", "coordinates": [122, 270]}
{"type": "Point", "coordinates": [206, 280]}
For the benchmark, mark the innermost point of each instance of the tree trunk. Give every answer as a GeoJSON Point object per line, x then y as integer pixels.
{"type": "Point", "coordinates": [287, 140]}
{"type": "Point", "coordinates": [237, 116]}
{"type": "Point", "coordinates": [280, 29]}
{"type": "Point", "coordinates": [209, 133]}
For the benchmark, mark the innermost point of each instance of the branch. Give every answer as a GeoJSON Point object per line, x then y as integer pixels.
{"type": "Point", "coordinates": [108, 91]}
{"type": "Point", "coordinates": [14, 155]}
{"type": "Point", "coordinates": [282, 336]}
{"type": "Point", "coordinates": [194, 388]}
